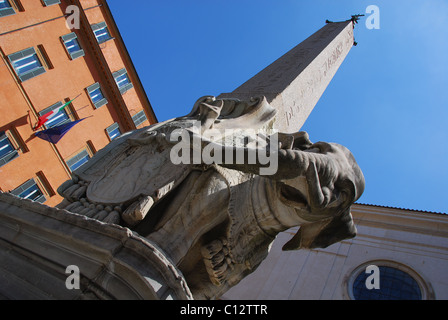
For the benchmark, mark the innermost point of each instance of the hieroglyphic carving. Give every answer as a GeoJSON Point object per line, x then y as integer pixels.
{"type": "Point", "coordinates": [322, 74]}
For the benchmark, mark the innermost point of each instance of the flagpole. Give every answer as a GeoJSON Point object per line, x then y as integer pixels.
{"type": "Point", "coordinates": [67, 103]}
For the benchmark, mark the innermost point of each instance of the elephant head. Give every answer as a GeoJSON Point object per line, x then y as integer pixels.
{"type": "Point", "coordinates": [320, 181]}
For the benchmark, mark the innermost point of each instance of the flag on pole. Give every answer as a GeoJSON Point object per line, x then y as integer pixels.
{"type": "Point", "coordinates": [45, 117]}
{"type": "Point", "coordinates": [55, 134]}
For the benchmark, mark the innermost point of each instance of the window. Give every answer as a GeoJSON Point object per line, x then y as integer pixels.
{"type": "Point", "coordinates": [113, 131]}
{"type": "Point", "coordinates": [394, 282]}
{"type": "Point", "coordinates": [6, 9]}
{"type": "Point", "coordinates": [71, 43]}
{"type": "Point", "coordinates": [7, 150]}
{"type": "Point", "coordinates": [30, 190]}
{"type": "Point", "coordinates": [101, 32]}
{"type": "Point", "coordinates": [139, 118]}
{"type": "Point", "coordinates": [26, 64]}
{"type": "Point", "coordinates": [122, 80]}
{"type": "Point", "coordinates": [78, 160]}
{"type": "Point", "coordinates": [60, 118]}
{"type": "Point", "coordinates": [50, 2]}
{"type": "Point", "coordinates": [96, 95]}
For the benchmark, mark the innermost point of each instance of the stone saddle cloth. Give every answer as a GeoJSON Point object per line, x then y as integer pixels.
{"type": "Point", "coordinates": [247, 242]}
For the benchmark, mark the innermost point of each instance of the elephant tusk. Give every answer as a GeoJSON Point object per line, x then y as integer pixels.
{"type": "Point", "coordinates": [318, 196]}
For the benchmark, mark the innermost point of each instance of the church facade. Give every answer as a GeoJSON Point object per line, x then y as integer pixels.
{"type": "Point", "coordinates": [397, 254]}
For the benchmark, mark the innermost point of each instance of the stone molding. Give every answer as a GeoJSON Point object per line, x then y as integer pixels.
{"type": "Point", "coordinates": [38, 243]}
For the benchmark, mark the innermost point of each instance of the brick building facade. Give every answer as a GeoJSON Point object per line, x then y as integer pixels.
{"type": "Point", "coordinates": [52, 52]}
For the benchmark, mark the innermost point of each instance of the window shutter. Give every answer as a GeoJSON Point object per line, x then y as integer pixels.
{"type": "Point", "coordinates": [112, 127]}
{"type": "Point", "coordinates": [11, 155]}
{"type": "Point", "coordinates": [23, 187]}
{"type": "Point", "coordinates": [69, 36]}
{"type": "Point", "coordinates": [101, 102]}
{"type": "Point", "coordinates": [21, 54]}
{"type": "Point", "coordinates": [139, 118]}
{"type": "Point", "coordinates": [127, 86]}
{"type": "Point", "coordinates": [77, 54]}
{"type": "Point", "coordinates": [51, 108]}
{"type": "Point", "coordinates": [50, 2]}
{"type": "Point", "coordinates": [98, 25]}
{"type": "Point", "coordinates": [118, 73]}
{"type": "Point", "coordinates": [32, 74]}
{"type": "Point", "coordinates": [6, 12]}
{"type": "Point", "coordinates": [93, 87]}
{"type": "Point", "coordinates": [29, 184]}
{"type": "Point", "coordinates": [66, 115]}
{"type": "Point", "coordinates": [72, 161]}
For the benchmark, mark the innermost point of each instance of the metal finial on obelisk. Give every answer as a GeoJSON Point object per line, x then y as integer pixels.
{"type": "Point", "coordinates": [355, 18]}
{"type": "Point", "coordinates": [294, 83]}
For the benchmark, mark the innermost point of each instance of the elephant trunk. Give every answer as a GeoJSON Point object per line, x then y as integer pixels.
{"type": "Point", "coordinates": [320, 174]}
{"type": "Point", "coordinates": [318, 169]}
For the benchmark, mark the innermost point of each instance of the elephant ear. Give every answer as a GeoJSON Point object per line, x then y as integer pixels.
{"type": "Point", "coordinates": [323, 233]}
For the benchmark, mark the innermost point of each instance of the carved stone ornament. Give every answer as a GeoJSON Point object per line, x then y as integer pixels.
{"type": "Point", "coordinates": [183, 185]}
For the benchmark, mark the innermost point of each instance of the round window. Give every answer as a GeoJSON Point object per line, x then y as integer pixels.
{"type": "Point", "coordinates": [386, 281]}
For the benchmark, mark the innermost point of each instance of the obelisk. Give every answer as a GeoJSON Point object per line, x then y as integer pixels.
{"type": "Point", "coordinates": [295, 82]}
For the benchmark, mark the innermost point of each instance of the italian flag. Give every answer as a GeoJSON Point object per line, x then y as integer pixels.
{"type": "Point", "coordinates": [44, 118]}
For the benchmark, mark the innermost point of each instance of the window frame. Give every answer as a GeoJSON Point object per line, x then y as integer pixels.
{"type": "Point", "coordinates": [126, 86]}
{"type": "Point", "coordinates": [90, 89]}
{"type": "Point", "coordinates": [425, 287]}
{"type": "Point", "coordinates": [76, 158]}
{"type": "Point", "coordinates": [23, 54]}
{"type": "Point", "coordinates": [112, 128]}
{"type": "Point", "coordinates": [7, 11]}
{"type": "Point", "coordinates": [11, 155]}
{"type": "Point", "coordinates": [27, 186]}
{"type": "Point", "coordinates": [137, 118]}
{"type": "Point", "coordinates": [99, 26]}
{"type": "Point", "coordinates": [53, 107]}
{"type": "Point", "coordinates": [72, 37]}
{"type": "Point", "coordinates": [48, 3]}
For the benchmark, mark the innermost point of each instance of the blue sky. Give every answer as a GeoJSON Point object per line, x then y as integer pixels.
{"type": "Point", "coordinates": [388, 102]}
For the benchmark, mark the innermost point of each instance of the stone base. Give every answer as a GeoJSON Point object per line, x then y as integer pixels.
{"type": "Point", "coordinates": [38, 243]}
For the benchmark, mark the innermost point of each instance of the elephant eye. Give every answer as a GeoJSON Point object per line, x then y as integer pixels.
{"type": "Point", "coordinates": [337, 198]}
{"type": "Point", "coordinates": [341, 195]}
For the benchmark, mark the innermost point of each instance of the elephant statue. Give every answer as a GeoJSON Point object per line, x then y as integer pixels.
{"type": "Point", "coordinates": [216, 219]}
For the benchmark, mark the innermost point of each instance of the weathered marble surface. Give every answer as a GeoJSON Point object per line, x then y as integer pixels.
{"type": "Point", "coordinates": [215, 221]}
{"type": "Point", "coordinates": [38, 243]}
